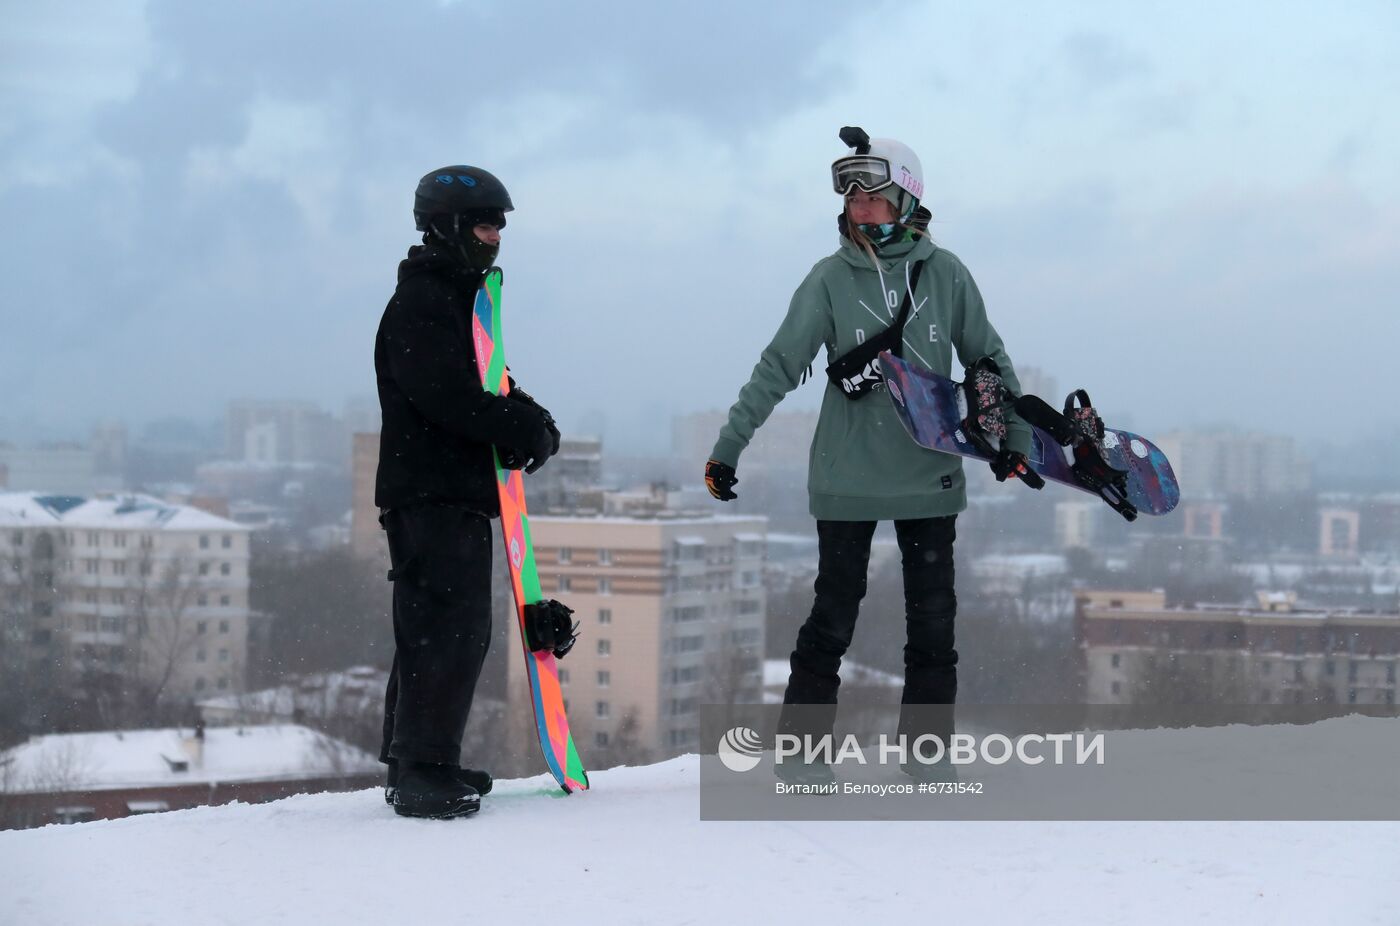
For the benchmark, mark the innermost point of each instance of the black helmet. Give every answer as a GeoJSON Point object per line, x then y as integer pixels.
{"type": "Point", "coordinates": [459, 190]}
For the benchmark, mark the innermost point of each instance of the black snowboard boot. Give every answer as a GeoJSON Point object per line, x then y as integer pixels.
{"type": "Point", "coordinates": [433, 791]}
{"type": "Point", "coordinates": [473, 777]}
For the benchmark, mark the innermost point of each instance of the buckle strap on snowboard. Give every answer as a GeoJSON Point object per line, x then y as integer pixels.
{"type": "Point", "coordinates": [1081, 429]}
{"type": "Point", "coordinates": [1084, 418]}
{"type": "Point", "coordinates": [1090, 462]}
{"type": "Point", "coordinates": [548, 626]}
{"type": "Point", "coordinates": [987, 399]}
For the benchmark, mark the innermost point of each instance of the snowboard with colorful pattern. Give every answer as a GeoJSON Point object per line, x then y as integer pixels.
{"type": "Point", "coordinates": [551, 721]}
{"type": "Point", "coordinates": [931, 408]}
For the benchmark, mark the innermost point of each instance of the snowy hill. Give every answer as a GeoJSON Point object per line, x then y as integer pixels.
{"type": "Point", "coordinates": [634, 850]}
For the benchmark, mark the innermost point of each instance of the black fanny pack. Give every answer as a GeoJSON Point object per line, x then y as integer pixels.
{"type": "Point", "coordinates": [857, 372]}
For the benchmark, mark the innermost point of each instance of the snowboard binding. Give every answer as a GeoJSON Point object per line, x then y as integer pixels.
{"type": "Point", "coordinates": [1081, 429]}
{"type": "Point", "coordinates": [549, 626]}
{"type": "Point", "coordinates": [987, 401]}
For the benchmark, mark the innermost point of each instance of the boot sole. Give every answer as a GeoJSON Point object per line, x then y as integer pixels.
{"type": "Point", "coordinates": [464, 809]}
{"type": "Point", "coordinates": [391, 794]}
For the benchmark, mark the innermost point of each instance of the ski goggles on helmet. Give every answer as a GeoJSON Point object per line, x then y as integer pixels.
{"type": "Point", "coordinates": [864, 171]}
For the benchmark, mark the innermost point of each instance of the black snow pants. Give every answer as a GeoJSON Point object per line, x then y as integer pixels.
{"type": "Point", "coordinates": [930, 661]}
{"type": "Point", "coordinates": [441, 569]}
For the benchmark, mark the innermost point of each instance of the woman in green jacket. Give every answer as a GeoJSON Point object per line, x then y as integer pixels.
{"type": "Point", "coordinates": [863, 467]}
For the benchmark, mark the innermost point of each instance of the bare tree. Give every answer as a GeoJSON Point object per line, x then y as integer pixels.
{"type": "Point", "coordinates": [732, 672]}
{"type": "Point", "coordinates": [328, 610]}
{"type": "Point", "coordinates": [335, 760]}
{"type": "Point", "coordinates": [63, 767]}
{"type": "Point", "coordinates": [162, 597]}
{"type": "Point", "coordinates": [348, 710]}
{"type": "Point", "coordinates": [625, 747]}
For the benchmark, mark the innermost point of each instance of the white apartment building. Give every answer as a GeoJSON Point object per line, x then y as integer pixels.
{"type": "Point", "coordinates": [126, 585]}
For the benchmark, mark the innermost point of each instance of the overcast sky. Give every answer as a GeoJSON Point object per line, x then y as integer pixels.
{"type": "Point", "coordinates": [1191, 209]}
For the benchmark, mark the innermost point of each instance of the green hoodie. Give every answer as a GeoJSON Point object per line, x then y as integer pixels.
{"type": "Point", "coordinates": [863, 466]}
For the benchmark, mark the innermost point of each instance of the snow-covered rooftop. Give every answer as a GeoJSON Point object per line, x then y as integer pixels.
{"type": "Point", "coordinates": [127, 511]}
{"type": "Point", "coordinates": [27, 509]}
{"type": "Point", "coordinates": [321, 692]}
{"type": "Point", "coordinates": [152, 758]}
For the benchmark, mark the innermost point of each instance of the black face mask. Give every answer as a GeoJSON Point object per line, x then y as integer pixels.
{"type": "Point", "coordinates": [459, 236]}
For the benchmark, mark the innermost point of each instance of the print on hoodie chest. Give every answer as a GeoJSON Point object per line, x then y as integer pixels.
{"type": "Point", "coordinates": [891, 298]}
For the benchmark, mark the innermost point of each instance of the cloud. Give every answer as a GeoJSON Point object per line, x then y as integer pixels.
{"type": "Point", "coordinates": [1265, 307]}
{"type": "Point", "coordinates": [1098, 61]}
{"type": "Point", "coordinates": [229, 211]}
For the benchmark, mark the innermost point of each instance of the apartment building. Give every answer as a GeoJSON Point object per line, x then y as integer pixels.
{"type": "Point", "coordinates": [1136, 650]}
{"type": "Point", "coordinates": [671, 612]}
{"type": "Point", "coordinates": [125, 585]}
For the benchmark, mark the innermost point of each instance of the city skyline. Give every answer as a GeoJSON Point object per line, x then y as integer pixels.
{"type": "Point", "coordinates": [1163, 209]}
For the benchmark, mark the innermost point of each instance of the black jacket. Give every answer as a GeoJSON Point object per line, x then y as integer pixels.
{"type": "Point", "coordinates": [438, 422]}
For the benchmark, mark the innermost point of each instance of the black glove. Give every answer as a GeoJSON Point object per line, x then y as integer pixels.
{"type": "Point", "coordinates": [1008, 462]}
{"type": "Point", "coordinates": [545, 443]}
{"type": "Point", "coordinates": [720, 479]}
{"type": "Point", "coordinates": [523, 397]}
{"type": "Point", "coordinates": [549, 626]}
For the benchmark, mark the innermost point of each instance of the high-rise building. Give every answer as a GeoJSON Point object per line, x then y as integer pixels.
{"type": "Point", "coordinates": [671, 614]}
{"type": "Point", "coordinates": [1339, 531]}
{"type": "Point", "coordinates": [109, 450]}
{"type": "Point", "coordinates": [1203, 520]}
{"type": "Point", "coordinates": [1222, 463]}
{"type": "Point", "coordinates": [1076, 523]}
{"type": "Point", "coordinates": [283, 432]}
{"type": "Point", "coordinates": [126, 586]}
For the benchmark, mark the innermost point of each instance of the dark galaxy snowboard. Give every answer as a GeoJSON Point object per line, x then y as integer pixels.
{"type": "Point", "coordinates": [1072, 447]}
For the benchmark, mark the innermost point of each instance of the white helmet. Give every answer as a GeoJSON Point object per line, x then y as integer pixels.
{"type": "Point", "coordinates": [880, 165]}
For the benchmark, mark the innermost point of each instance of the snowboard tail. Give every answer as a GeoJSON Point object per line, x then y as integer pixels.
{"type": "Point", "coordinates": [546, 696]}
{"type": "Point", "coordinates": [927, 404]}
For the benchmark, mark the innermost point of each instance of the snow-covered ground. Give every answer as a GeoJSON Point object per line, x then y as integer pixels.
{"type": "Point", "coordinates": [634, 850]}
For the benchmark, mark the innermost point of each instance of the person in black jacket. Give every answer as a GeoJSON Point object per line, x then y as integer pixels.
{"type": "Point", "coordinates": [436, 488]}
